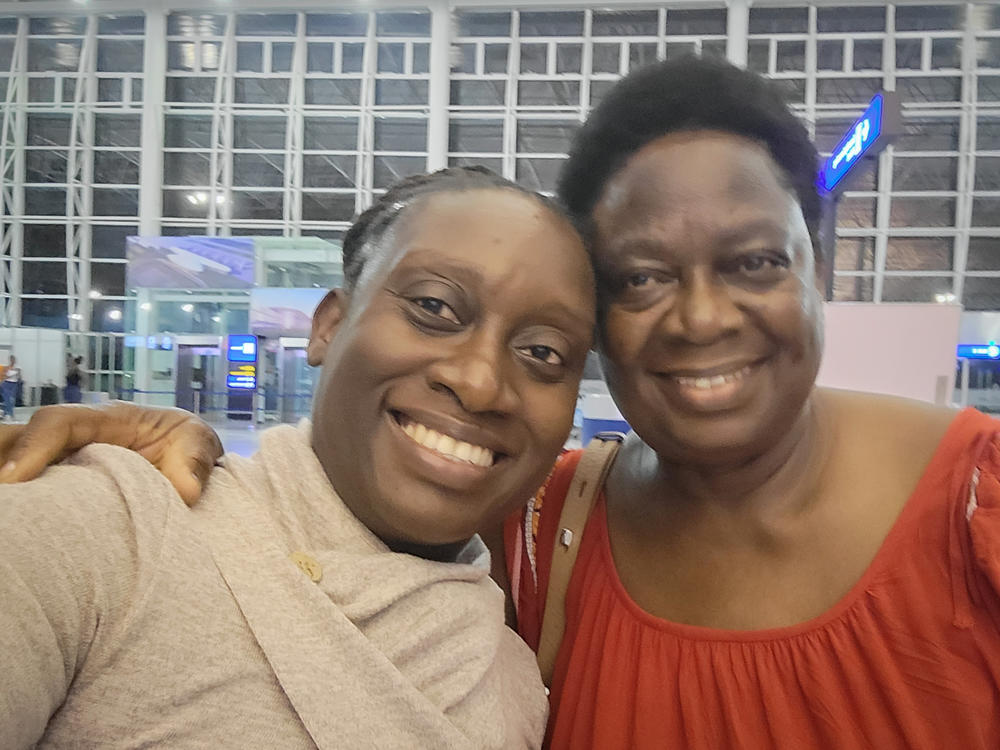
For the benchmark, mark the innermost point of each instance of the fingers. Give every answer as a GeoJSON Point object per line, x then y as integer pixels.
{"type": "Point", "coordinates": [50, 435]}
{"type": "Point", "coordinates": [189, 458]}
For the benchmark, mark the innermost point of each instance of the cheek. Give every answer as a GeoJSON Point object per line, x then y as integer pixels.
{"type": "Point", "coordinates": [549, 414]}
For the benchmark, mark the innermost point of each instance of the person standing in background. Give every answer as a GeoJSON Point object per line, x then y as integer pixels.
{"type": "Point", "coordinates": [74, 381]}
{"type": "Point", "coordinates": [9, 387]}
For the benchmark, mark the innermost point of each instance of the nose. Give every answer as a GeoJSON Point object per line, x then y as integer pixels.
{"type": "Point", "coordinates": [703, 309]}
{"type": "Point", "coordinates": [474, 373]}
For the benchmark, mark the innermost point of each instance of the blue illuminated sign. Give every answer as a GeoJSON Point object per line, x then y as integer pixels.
{"type": "Point", "coordinates": [242, 348]}
{"type": "Point", "coordinates": [242, 376]}
{"type": "Point", "coordinates": [866, 137]}
{"type": "Point", "coordinates": [979, 351]}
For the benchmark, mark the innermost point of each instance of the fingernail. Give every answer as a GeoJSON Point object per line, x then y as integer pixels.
{"type": "Point", "coordinates": [7, 470]}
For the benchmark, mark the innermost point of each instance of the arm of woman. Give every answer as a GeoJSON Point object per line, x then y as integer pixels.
{"type": "Point", "coordinates": [180, 445]}
{"type": "Point", "coordinates": [66, 547]}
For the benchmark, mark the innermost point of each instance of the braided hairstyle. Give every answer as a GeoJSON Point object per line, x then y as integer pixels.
{"type": "Point", "coordinates": [371, 226]}
{"type": "Point", "coordinates": [686, 94]}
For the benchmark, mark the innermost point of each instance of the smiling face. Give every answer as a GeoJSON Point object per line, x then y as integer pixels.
{"type": "Point", "coordinates": [711, 328]}
{"type": "Point", "coordinates": [450, 372]}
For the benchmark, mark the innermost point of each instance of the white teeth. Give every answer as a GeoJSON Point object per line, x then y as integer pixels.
{"type": "Point", "coordinates": [448, 446]}
{"type": "Point", "coordinates": [704, 384]}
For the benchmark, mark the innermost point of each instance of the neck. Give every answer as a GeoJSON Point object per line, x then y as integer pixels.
{"type": "Point", "coordinates": [781, 478]}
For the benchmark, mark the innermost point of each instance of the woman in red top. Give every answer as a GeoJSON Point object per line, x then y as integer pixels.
{"type": "Point", "coordinates": [770, 564]}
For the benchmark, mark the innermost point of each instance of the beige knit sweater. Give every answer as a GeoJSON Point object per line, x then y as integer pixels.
{"type": "Point", "coordinates": [127, 620]}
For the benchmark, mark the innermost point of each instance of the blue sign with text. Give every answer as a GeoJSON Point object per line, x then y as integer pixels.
{"type": "Point", "coordinates": [867, 136]}
{"type": "Point", "coordinates": [979, 351]}
{"type": "Point", "coordinates": [242, 348]}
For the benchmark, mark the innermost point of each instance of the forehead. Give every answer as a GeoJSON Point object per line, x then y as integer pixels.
{"type": "Point", "coordinates": [696, 181]}
{"type": "Point", "coordinates": [497, 237]}
{"type": "Point", "coordinates": [698, 166]}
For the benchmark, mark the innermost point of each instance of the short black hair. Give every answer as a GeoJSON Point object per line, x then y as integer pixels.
{"type": "Point", "coordinates": [688, 93]}
{"type": "Point", "coordinates": [370, 227]}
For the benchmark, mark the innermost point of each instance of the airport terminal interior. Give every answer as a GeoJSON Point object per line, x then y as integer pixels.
{"type": "Point", "coordinates": [176, 178]}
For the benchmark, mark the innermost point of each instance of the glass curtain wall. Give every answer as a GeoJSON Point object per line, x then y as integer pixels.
{"type": "Point", "coordinates": [289, 123]}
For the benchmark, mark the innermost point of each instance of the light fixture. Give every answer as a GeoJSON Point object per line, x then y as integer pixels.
{"type": "Point", "coordinates": [146, 306]}
{"type": "Point", "coordinates": [95, 294]}
{"type": "Point", "coordinates": [944, 298]}
{"type": "Point", "coordinates": [216, 318]}
{"type": "Point", "coordinates": [114, 314]}
{"type": "Point", "coordinates": [187, 307]}
{"type": "Point", "coordinates": [76, 316]}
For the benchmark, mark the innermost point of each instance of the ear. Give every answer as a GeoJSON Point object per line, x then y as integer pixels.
{"type": "Point", "coordinates": [326, 320]}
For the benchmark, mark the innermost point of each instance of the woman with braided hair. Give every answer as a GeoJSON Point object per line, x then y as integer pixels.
{"type": "Point", "coordinates": [330, 590]}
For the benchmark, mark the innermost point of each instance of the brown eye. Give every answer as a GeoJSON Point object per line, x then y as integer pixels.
{"type": "Point", "coordinates": [436, 307]}
{"type": "Point", "coordinates": [637, 280]}
{"type": "Point", "coordinates": [546, 354]}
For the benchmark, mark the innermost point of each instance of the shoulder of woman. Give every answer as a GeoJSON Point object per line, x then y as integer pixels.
{"type": "Point", "coordinates": [880, 417]}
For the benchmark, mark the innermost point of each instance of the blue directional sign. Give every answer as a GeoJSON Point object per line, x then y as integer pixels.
{"type": "Point", "coordinates": [979, 351]}
{"type": "Point", "coordinates": [241, 352]}
{"type": "Point", "coordinates": [870, 133]}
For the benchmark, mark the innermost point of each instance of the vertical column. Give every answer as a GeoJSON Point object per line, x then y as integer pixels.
{"type": "Point", "coordinates": [294, 135]}
{"type": "Point", "coordinates": [154, 78]}
{"type": "Point", "coordinates": [439, 87]}
{"type": "Point", "coordinates": [12, 141]}
{"type": "Point", "coordinates": [966, 177]}
{"type": "Point", "coordinates": [737, 30]}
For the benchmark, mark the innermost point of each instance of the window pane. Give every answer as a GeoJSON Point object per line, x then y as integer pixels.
{"type": "Point", "coordinates": [53, 54]}
{"type": "Point", "coordinates": [43, 277]}
{"type": "Point", "coordinates": [117, 130]}
{"type": "Point", "coordinates": [116, 167]}
{"type": "Point", "coordinates": [328, 171]}
{"type": "Point", "coordinates": [909, 54]}
{"type": "Point", "coordinates": [936, 89]}
{"type": "Point", "coordinates": [914, 288]}
{"type": "Point", "coordinates": [258, 205]}
{"type": "Point", "coordinates": [336, 24]}
{"type": "Point", "coordinates": [791, 56]}
{"type": "Point", "coordinates": [539, 174]}
{"type": "Point", "coordinates": [929, 134]}
{"type": "Point", "coordinates": [868, 54]}
{"type": "Point", "coordinates": [551, 23]}
{"type": "Point", "coordinates": [401, 92]}
{"type": "Point", "coordinates": [44, 240]}
{"type": "Point", "coordinates": [390, 169]}
{"type": "Point", "coordinates": [109, 241]}
{"type": "Point", "coordinates": [190, 90]}
{"type": "Point", "coordinates": [319, 57]}
{"type": "Point", "coordinates": [495, 58]}
{"type": "Point", "coordinates": [261, 90]}
{"type": "Point", "coordinates": [779, 20]}
{"type": "Point", "coordinates": [403, 24]}
{"type": "Point", "coordinates": [391, 58]}
{"type": "Point", "coordinates": [986, 212]}
{"type": "Point", "coordinates": [109, 278]}
{"type": "Point", "coordinates": [478, 93]}
{"type": "Point", "coordinates": [187, 169]}
{"type": "Point", "coordinates": [920, 254]}
{"type": "Point", "coordinates": [327, 206]}
{"type": "Point", "coordinates": [195, 24]}
{"type": "Point", "coordinates": [483, 24]}
{"type": "Point", "coordinates": [853, 289]}
{"type": "Point", "coordinates": [119, 56]}
{"type": "Point", "coordinates": [846, 90]}
{"type": "Point", "coordinates": [857, 18]}
{"type": "Point", "coordinates": [116, 202]}
{"type": "Point", "coordinates": [43, 201]}
{"type": "Point", "coordinates": [947, 53]}
{"type": "Point", "coordinates": [265, 24]}
{"type": "Point", "coordinates": [922, 212]}
{"type": "Point", "coordinates": [400, 135]}
{"type": "Point", "coordinates": [624, 23]}
{"type": "Point", "coordinates": [258, 170]}
{"type": "Point", "coordinates": [984, 254]}
{"type": "Point", "coordinates": [534, 58]}
{"type": "Point", "coordinates": [830, 54]}
{"type": "Point", "coordinates": [262, 133]}
{"type": "Point", "coordinates": [696, 22]}
{"type": "Point", "coordinates": [928, 17]}
{"type": "Point", "coordinates": [856, 212]}
{"type": "Point", "coordinates": [981, 294]}
{"type": "Point", "coordinates": [48, 129]}
{"type": "Point", "coordinates": [855, 254]}
{"type": "Point", "coordinates": [545, 136]}
{"type": "Point", "coordinates": [606, 58]}
{"type": "Point", "coordinates": [987, 173]}
{"type": "Point", "coordinates": [330, 134]}
{"type": "Point", "coordinates": [45, 166]}
{"type": "Point", "coordinates": [549, 93]}
{"type": "Point", "coordinates": [925, 173]}
{"type": "Point", "coordinates": [475, 135]}
{"type": "Point", "coordinates": [333, 92]}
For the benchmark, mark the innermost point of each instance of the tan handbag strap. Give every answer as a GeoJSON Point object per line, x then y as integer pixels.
{"type": "Point", "coordinates": [595, 463]}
